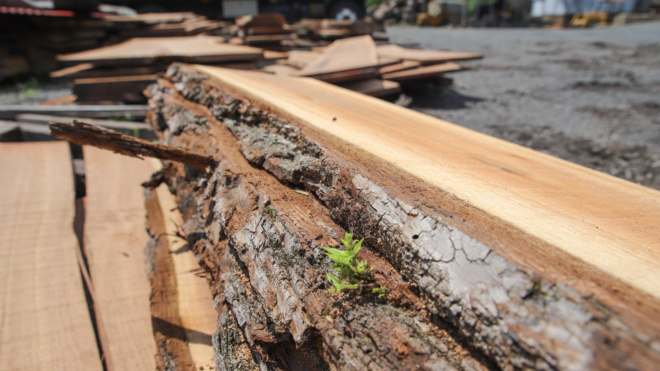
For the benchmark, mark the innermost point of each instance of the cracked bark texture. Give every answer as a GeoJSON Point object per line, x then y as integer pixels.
{"type": "Point", "coordinates": [257, 223]}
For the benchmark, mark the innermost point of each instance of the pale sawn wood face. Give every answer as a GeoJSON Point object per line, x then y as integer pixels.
{"type": "Point", "coordinates": [603, 221]}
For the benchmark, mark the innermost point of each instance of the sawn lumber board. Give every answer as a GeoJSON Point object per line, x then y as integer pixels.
{"type": "Point", "coordinates": [45, 318]}
{"type": "Point", "coordinates": [422, 72]}
{"type": "Point", "coordinates": [114, 240]}
{"type": "Point", "coordinates": [196, 309]}
{"type": "Point", "coordinates": [201, 49]}
{"type": "Point", "coordinates": [344, 55]}
{"type": "Point", "coordinates": [601, 221]}
{"type": "Point", "coordinates": [424, 56]}
{"type": "Point", "coordinates": [374, 87]}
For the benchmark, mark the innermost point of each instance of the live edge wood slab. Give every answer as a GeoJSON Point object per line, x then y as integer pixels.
{"type": "Point", "coordinates": [509, 257]}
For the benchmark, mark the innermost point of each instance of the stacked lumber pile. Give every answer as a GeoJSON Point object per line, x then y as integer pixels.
{"type": "Point", "coordinates": [121, 72]}
{"type": "Point", "coordinates": [29, 44]}
{"type": "Point", "coordinates": [485, 254]}
{"type": "Point", "coordinates": [358, 64]}
{"type": "Point", "coordinates": [268, 31]}
{"type": "Point", "coordinates": [331, 29]}
{"type": "Point", "coordinates": [160, 25]}
{"type": "Point", "coordinates": [132, 309]}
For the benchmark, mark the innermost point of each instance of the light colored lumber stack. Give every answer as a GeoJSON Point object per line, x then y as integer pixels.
{"type": "Point", "coordinates": [114, 243]}
{"type": "Point", "coordinates": [530, 261]}
{"type": "Point", "coordinates": [45, 318]}
{"type": "Point", "coordinates": [201, 49]}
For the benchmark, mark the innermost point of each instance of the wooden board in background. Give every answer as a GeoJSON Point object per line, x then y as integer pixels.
{"type": "Point", "coordinates": [114, 241]}
{"type": "Point", "coordinates": [196, 309]}
{"type": "Point", "coordinates": [201, 49]}
{"type": "Point", "coordinates": [45, 317]}
{"type": "Point", "coordinates": [424, 56]}
{"type": "Point", "coordinates": [405, 65]}
{"type": "Point", "coordinates": [423, 72]}
{"type": "Point", "coordinates": [355, 53]}
{"type": "Point", "coordinates": [374, 87]}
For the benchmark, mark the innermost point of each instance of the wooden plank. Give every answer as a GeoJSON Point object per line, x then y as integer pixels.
{"type": "Point", "coordinates": [271, 55]}
{"type": "Point", "coordinates": [423, 72]}
{"type": "Point", "coordinates": [45, 318]}
{"type": "Point", "coordinates": [201, 49]}
{"type": "Point", "coordinates": [267, 39]}
{"type": "Point", "coordinates": [281, 69]}
{"type": "Point", "coordinates": [350, 54]}
{"type": "Point", "coordinates": [127, 89]}
{"type": "Point", "coordinates": [301, 58]}
{"type": "Point", "coordinates": [405, 65]}
{"type": "Point", "coordinates": [599, 216]}
{"type": "Point", "coordinates": [151, 18]}
{"type": "Point", "coordinates": [196, 309]}
{"type": "Point", "coordinates": [374, 87]}
{"type": "Point", "coordinates": [424, 56]}
{"type": "Point", "coordinates": [101, 111]}
{"type": "Point", "coordinates": [115, 239]}
{"type": "Point", "coordinates": [69, 71]}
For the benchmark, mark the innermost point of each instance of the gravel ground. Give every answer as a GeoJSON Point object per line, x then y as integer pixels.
{"type": "Point", "coordinates": [588, 96]}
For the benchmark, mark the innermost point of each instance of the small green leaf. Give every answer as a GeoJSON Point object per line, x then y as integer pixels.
{"type": "Point", "coordinates": [380, 292]}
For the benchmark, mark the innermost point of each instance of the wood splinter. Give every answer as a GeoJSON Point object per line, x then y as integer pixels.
{"type": "Point", "coordinates": [85, 134]}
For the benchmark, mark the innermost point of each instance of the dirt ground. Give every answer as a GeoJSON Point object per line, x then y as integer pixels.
{"type": "Point", "coordinates": [588, 96]}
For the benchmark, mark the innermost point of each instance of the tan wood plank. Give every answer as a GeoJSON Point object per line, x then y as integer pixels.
{"type": "Point", "coordinates": [602, 221]}
{"type": "Point", "coordinates": [344, 55]}
{"type": "Point", "coordinates": [201, 49]}
{"type": "Point", "coordinates": [45, 318]}
{"type": "Point", "coordinates": [196, 308]}
{"type": "Point", "coordinates": [405, 65]}
{"type": "Point", "coordinates": [424, 56]}
{"type": "Point", "coordinates": [115, 239]}
{"type": "Point", "coordinates": [423, 72]}
{"type": "Point", "coordinates": [374, 87]}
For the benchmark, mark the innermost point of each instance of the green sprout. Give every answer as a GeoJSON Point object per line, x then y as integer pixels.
{"type": "Point", "coordinates": [379, 291]}
{"type": "Point", "coordinates": [349, 267]}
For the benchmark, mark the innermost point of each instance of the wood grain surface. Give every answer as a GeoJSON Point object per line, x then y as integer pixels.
{"type": "Point", "coordinates": [115, 239]}
{"type": "Point", "coordinates": [344, 55]}
{"type": "Point", "coordinates": [45, 322]}
{"type": "Point", "coordinates": [423, 72]}
{"type": "Point", "coordinates": [197, 48]}
{"type": "Point", "coordinates": [424, 56]}
{"type": "Point", "coordinates": [598, 219]}
{"type": "Point", "coordinates": [195, 304]}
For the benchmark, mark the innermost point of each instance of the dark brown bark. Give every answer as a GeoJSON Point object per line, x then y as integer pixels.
{"type": "Point", "coordinates": [280, 193]}
{"type": "Point", "coordinates": [85, 134]}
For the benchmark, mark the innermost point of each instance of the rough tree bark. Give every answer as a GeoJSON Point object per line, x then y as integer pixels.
{"type": "Point", "coordinates": [258, 220]}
